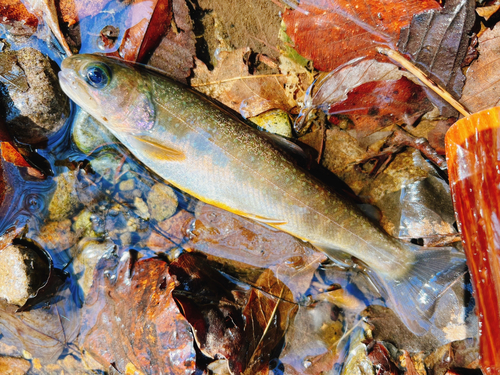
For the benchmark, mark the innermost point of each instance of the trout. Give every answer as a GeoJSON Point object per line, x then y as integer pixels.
{"type": "Point", "coordinates": [212, 154]}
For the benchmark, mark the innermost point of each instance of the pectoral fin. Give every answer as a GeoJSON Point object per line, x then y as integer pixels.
{"type": "Point", "coordinates": [155, 150]}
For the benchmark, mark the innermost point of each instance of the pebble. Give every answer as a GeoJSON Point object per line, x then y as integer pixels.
{"type": "Point", "coordinates": [22, 272]}
{"type": "Point", "coordinates": [88, 134]}
{"type": "Point", "coordinates": [275, 121]}
{"type": "Point", "coordinates": [162, 202]}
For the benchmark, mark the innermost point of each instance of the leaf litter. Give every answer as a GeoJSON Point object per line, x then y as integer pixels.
{"type": "Point", "coordinates": [267, 276]}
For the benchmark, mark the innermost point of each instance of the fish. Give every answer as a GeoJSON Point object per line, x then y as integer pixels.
{"type": "Point", "coordinates": [211, 153]}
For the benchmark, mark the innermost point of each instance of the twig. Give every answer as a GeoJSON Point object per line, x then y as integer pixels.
{"type": "Point", "coordinates": [237, 78]}
{"type": "Point", "coordinates": [396, 56]}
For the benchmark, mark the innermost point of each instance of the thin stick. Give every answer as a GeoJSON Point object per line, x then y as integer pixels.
{"type": "Point", "coordinates": [237, 78]}
{"type": "Point", "coordinates": [396, 56]}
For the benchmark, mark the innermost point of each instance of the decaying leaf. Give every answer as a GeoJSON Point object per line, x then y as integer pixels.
{"type": "Point", "coordinates": [437, 42]}
{"type": "Point", "coordinates": [243, 325]}
{"type": "Point", "coordinates": [45, 330]}
{"type": "Point", "coordinates": [482, 88]}
{"type": "Point", "coordinates": [381, 359]}
{"type": "Point", "coordinates": [335, 86]}
{"type": "Point", "coordinates": [175, 53]}
{"type": "Point", "coordinates": [130, 30]}
{"type": "Point", "coordinates": [232, 84]}
{"type": "Point", "coordinates": [13, 13]}
{"type": "Point", "coordinates": [233, 238]}
{"type": "Point", "coordinates": [313, 342]}
{"type": "Point", "coordinates": [462, 354]}
{"type": "Point", "coordinates": [46, 11]}
{"type": "Point", "coordinates": [130, 316]}
{"type": "Point", "coordinates": [489, 9]}
{"type": "Point", "coordinates": [373, 106]}
{"type": "Point", "coordinates": [334, 32]}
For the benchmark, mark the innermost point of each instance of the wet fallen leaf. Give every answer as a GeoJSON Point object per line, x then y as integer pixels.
{"type": "Point", "coordinates": [46, 11]}
{"type": "Point", "coordinates": [46, 330]}
{"type": "Point", "coordinates": [175, 54]}
{"type": "Point", "coordinates": [334, 32]}
{"type": "Point", "coordinates": [482, 88]}
{"type": "Point", "coordinates": [459, 354]}
{"type": "Point", "coordinates": [312, 342]}
{"type": "Point", "coordinates": [130, 316]}
{"type": "Point", "coordinates": [381, 359]}
{"type": "Point", "coordinates": [242, 324]}
{"type": "Point", "coordinates": [233, 238]}
{"type": "Point", "coordinates": [232, 84]}
{"type": "Point", "coordinates": [437, 42]}
{"type": "Point", "coordinates": [334, 87]}
{"type": "Point", "coordinates": [373, 106]}
{"type": "Point", "coordinates": [130, 30]}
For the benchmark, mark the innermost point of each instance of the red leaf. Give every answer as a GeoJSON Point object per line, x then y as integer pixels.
{"type": "Point", "coordinates": [336, 31]}
{"type": "Point", "coordinates": [141, 39]}
{"type": "Point", "coordinates": [375, 105]}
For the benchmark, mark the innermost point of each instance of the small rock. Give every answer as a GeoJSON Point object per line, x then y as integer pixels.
{"type": "Point", "coordinates": [162, 202]}
{"type": "Point", "coordinates": [22, 272]}
{"type": "Point", "coordinates": [65, 201]}
{"type": "Point", "coordinates": [35, 110]}
{"type": "Point", "coordinates": [14, 366]}
{"type": "Point", "coordinates": [107, 164]}
{"type": "Point", "coordinates": [89, 134]}
{"type": "Point", "coordinates": [274, 121]}
{"type": "Point", "coordinates": [88, 254]}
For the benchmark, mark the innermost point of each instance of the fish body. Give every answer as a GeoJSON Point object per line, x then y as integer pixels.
{"type": "Point", "coordinates": [210, 153]}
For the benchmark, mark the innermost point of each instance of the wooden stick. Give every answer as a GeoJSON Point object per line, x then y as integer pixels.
{"type": "Point", "coordinates": [396, 56]}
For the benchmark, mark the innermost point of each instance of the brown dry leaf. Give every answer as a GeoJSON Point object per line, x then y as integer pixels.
{"type": "Point", "coordinates": [232, 84]}
{"type": "Point", "coordinates": [175, 54]}
{"type": "Point", "coordinates": [130, 316]}
{"type": "Point", "coordinates": [334, 32]}
{"type": "Point", "coordinates": [489, 9]}
{"type": "Point", "coordinates": [437, 42]}
{"type": "Point", "coordinates": [482, 88]}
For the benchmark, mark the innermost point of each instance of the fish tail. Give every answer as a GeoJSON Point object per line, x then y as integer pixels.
{"type": "Point", "coordinates": [413, 296]}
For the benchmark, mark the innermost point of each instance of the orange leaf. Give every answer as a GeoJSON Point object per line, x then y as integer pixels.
{"type": "Point", "coordinates": [336, 31]}
{"type": "Point", "coordinates": [142, 38]}
{"type": "Point", "coordinates": [14, 10]}
{"type": "Point", "coordinates": [10, 154]}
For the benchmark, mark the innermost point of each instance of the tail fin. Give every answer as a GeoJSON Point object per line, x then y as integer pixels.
{"type": "Point", "coordinates": [414, 295]}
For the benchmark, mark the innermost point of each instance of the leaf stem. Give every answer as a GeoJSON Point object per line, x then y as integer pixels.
{"type": "Point", "coordinates": [396, 56]}
{"type": "Point", "coordinates": [236, 78]}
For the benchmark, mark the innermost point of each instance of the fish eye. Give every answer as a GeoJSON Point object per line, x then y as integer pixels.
{"type": "Point", "coordinates": [97, 75]}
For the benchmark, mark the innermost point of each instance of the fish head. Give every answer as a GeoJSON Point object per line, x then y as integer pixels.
{"type": "Point", "coordinates": [116, 93]}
